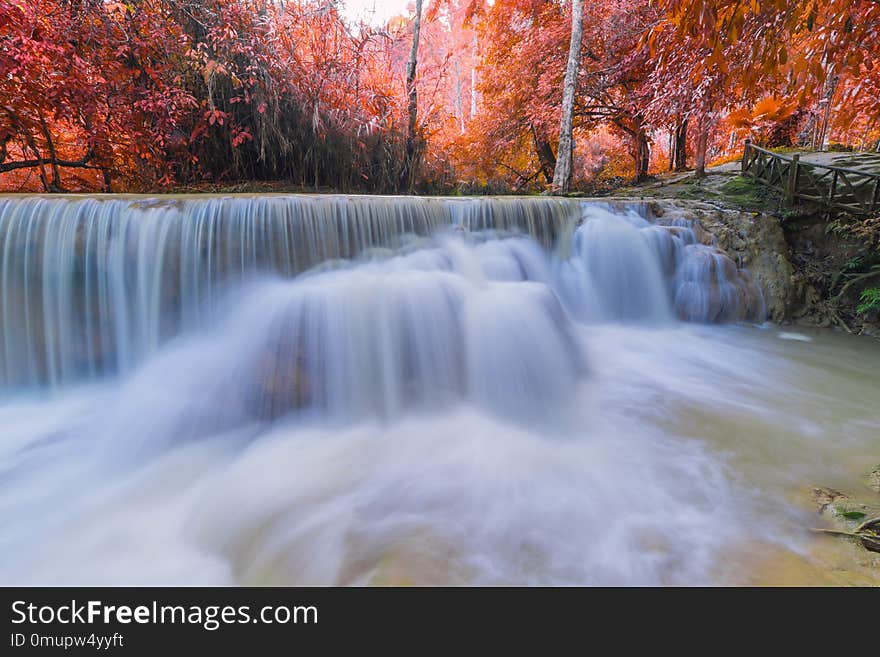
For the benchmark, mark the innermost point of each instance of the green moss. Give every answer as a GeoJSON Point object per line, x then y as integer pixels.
{"type": "Point", "coordinates": [740, 186]}
{"type": "Point", "coordinates": [687, 191]}
{"type": "Point", "coordinates": [746, 192]}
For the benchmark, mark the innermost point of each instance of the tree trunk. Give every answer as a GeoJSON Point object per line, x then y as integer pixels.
{"type": "Point", "coordinates": [830, 88]}
{"type": "Point", "coordinates": [679, 158]}
{"type": "Point", "coordinates": [459, 109]}
{"type": "Point", "coordinates": [53, 156]}
{"type": "Point", "coordinates": [407, 177]}
{"type": "Point", "coordinates": [562, 174]}
{"type": "Point", "coordinates": [546, 158]}
{"type": "Point", "coordinates": [702, 146]}
{"type": "Point", "coordinates": [641, 153]}
{"type": "Point", "coordinates": [474, 79]}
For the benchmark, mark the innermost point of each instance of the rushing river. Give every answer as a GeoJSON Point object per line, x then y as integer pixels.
{"type": "Point", "coordinates": [352, 390]}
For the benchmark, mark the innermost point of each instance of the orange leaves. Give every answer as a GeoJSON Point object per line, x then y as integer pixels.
{"type": "Point", "coordinates": [773, 109]}
{"type": "Point", "coordinates": [240, 137]}
{"type": "Point", "coordinates": [740, 118]}
{"type": "Point", "coordinates": [117, 8]}
{"type": "Point", "coordinates": [215, 116]}
{"type": "Point", "coordinates": [769, 109]}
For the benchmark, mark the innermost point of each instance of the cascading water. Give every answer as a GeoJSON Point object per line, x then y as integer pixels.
{"type": "Point", "coordinates": [353, 390]}
{"type": "Point", "coordinates": [90, 287]}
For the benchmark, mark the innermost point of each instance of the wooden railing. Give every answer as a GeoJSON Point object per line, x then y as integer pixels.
{"type": "Point", "coordinates": [851, 190]}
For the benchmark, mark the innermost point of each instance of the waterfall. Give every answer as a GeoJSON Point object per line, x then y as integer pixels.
{"type": "Point", "coordinates": [419, 332]}
{"type": "Point", "coordinates": [90, 286]}
{"type": "Point", "coordinates": [352, 390]}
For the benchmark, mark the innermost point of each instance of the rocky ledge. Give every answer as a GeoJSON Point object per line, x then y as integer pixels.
{"type": "Point", "coordinates": [756, 242]}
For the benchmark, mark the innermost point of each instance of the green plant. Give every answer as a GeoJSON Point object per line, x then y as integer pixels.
{"type": "Point", "coordinates": [854, 263]}
{"type": "Point", "coordinates": [849, 514]}
{"type": "Point", "coordinates": [870, 299]}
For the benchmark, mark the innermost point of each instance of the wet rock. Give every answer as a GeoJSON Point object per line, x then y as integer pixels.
{"type": "Point", "coordinates": [824, 497]}
{"type": "Point", "coordinates": [874, 479]}
{"type": "Point", "coordinates": [752, 240]}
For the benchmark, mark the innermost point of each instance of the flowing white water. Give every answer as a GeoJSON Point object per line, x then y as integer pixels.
{"type": "Point", "coordinates": [92, 285]}
{"type": "Point", "coordinates": [463, 406]}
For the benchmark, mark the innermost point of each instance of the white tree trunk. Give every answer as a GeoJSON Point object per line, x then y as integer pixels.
{"type": "Point", "coordinates": [562, 174]}
{"type": "Point", "coordinates": [459, 109]}
{"type": "Point", "coordinates": [410, 165]}
{"type": "Point", "coordinates": [474, 78]}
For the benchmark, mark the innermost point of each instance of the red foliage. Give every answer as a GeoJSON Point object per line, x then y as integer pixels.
{"type": "Point", "coordinates": [100, 94]}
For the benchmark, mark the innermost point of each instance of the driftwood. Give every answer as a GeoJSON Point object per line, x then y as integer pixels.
{"type": "Point", "coordinates": [868, 533]}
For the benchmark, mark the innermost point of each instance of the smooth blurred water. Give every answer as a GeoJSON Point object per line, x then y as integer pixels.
{"type": "Point", "coordinates": [461, 406]}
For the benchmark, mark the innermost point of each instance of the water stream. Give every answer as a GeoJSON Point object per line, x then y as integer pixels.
{"type": "Point", "coordinates": [356, 390]}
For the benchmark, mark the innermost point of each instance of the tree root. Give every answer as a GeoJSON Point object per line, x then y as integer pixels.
{"type": "Point", "coordinates": [837, 318]}
{"type": "Point", "coordinates": [875, 271]}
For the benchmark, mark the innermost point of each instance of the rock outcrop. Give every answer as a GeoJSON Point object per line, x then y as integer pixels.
{"type": "Point", "coordinates": [756, 242]}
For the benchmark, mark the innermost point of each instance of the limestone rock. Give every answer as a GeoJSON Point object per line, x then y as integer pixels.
{"type": "Point", "coordinates": [754, 241]}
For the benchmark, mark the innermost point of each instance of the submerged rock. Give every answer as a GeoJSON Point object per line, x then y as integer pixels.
{"type": "Point", "coordinates": [823, 497]}
{"type": "Point", "coordinates": [850, 517]}
{"type": "Point", "coordinates": [874, 479]}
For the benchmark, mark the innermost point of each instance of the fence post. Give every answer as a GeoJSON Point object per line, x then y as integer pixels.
{"type": "Point", "coordinates": [791, 183]}
{"type": "Point", "coordinates": [744, 163]}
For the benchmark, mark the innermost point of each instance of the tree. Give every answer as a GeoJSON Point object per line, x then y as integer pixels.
{"type": "Point", "coordinates": [616, 67]}
{"type": "Point", "coordinates": [79, 93]}
{"type": "Point", "coordinates": [510, 142]}
{"type": "Point", "coordinates": [162, 92]}
{"type": "Point", "coordinates": [562, 173]}
{"type": "Point", "coordinates": [732, 54]}
{"type": "Point", "coordinates": [412, 153]}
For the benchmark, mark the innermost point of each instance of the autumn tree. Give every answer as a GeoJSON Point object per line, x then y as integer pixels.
{"type": "Point", "coordinates": [731, 54]}
{"type": "Point", "coordinates": [512, 137]}
{"type": "Point", "coordinates": [80, 89]}
{"type": "Point", "coordinates": [163, 92]}
{"type": "Point", "coordinates": [613, 88]}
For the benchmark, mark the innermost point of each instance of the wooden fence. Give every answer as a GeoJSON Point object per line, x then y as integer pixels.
{"type": "Point", "coordinates": [851, 190]}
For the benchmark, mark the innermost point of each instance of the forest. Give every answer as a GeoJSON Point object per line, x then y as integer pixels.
{"type": "Point", "coordinates": [451, 97]}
